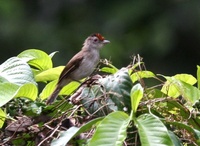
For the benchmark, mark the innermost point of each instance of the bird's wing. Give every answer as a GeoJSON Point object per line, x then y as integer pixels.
{"type": "Point", "coordinates": [70, 67]}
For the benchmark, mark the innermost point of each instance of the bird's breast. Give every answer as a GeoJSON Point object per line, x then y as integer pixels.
{"type": "Point", "coordinates": [87, 66]}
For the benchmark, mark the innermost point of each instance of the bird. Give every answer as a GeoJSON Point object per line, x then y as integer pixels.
{"type": "Point", "coordinates": [81, 65]}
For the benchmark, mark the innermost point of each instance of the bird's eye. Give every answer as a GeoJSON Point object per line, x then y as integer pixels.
{"type": "Point", "coordinates": [95, 40]}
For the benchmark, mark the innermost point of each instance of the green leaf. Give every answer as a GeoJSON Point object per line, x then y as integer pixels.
{"type": "Point", "coordinates": [119, 86]}
{"type": "Point", "coordinates": [111, 94]}
{"type": "Point", "coordinates": [198, 76]}
{"type": "Point", "coordinates": [15, 70]}
{"type": "Point", "coordinates": [37, 58]}
{"type": "Point", "coordinates": [50, 87]}
{"type": "Point", "coordinates": [49, 75]}
{"type": "Point", "coordinates": [141, 74]}
{"type": "Point", "coordinates": [152, 131]}
{"type": "Point", "coordinates": [16, 80]}
{"type": "Point", "coordinates": [175, 87]}
{"type": "Point", "coordinates": [109, 70]}
{"type": "Point", "coordinates": [9, 90]}
{"type": "Point", "coordinates": [52, 54]}
{"type": "Point", "coordinates": [2, 117]}
{"type": "Point", "coordinates": [66, 136]}
{"type": "Point", "coordinates": [186, 78]}
{"type": "Point", "coordinates": [111, 130]}
{"type": "Point", "coordinates": [136, 96]}
{"type": "Point", "coordinates": [28, 90]}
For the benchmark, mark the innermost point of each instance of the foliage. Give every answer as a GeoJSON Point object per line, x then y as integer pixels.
{"type": "Point", "coordinates": [127, 106]}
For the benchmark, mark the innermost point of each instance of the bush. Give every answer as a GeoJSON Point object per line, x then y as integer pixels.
{"type": "Point", "coordinates": [127, 106]}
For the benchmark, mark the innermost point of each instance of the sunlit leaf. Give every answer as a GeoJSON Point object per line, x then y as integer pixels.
{"type": "Point", "coordinates": [186, 78]}
{"type": "Point", "coordinates": [16, 80]}
{"type": "Point", "coordinates": [136, 96]}
{"type": "Point", "coordinates": [2, 117]}
{"type": "Point", "coordinates": [49, 75]}
{"type": "Point", "coordinates": [28, 90]}
{"type": "Point", "coordinates": [37, 59]}
{"type": "Point", "coordinates": [111, 130]}
{"type": "Point", "coordinates": [15, 70]}
{"type": "Point", "coordinates": [52, 54]}
{"type": "Point", "coordinates": [50, 87]}
{"type": "Point", "coordinates": [175, 87]}
{"type": "Point", "coordinates": [198, 76]}
{"type": "Point", "coordinates": [141, 74]}
{"type": "Point", "coordinates": [108, 70]}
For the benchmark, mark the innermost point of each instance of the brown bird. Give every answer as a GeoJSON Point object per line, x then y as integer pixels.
{"type": "Point", "coordinates": [81, 65]}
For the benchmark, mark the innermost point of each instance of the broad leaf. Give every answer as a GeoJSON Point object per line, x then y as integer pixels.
{"type": "Point", "coordinates": [175, 87]}
{"type": "Point", "coordinates": [9, 90]}
{"type": "Point", "coordinates": [37, 58]}
{"type": "Point", "coordinates": [141, 74]}
{"type": "Point", "coordinates": [50, 87]}
{"type": "Point", "coordinates": [16, 80]}
{"type": "Point", "coordinates": [15, 70]}
{"type": "Point", "coordinates": [152, 131]}
{"type": "Point", "coordinates": [49, 75]}
{"type": "Point", "coordinates": [136, 96]}
{"type": "Point", "coordinates": [112, 93]}
{"type": "Point", "coordinates": [111, 130]}
{"type": "Point", "coordinates": [28, 90]}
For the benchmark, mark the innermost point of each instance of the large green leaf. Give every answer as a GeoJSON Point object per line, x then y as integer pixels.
{"type": "Point", "coordinates": [136, 96]}
{"type": "Point", "coordinates": [110, 94]}
{"type": "Point", "coordinates": [182, 85]}
{"type": "Point", "coordinates": [16, 80]}
{"type": "Point", "coordinates": [66, 136]}
{"type": "Point", "coordinates": [9, 90]}
{"type": "Point", "coordinates": [50, 87]}
{"type": "Point", "coordinates": [37, 58]}
{"type": "Point", "coordinates": [15, 70]}
{"type": "Point", "coordinates": [49, 75]}
{"type": "Point", "coordinates": [152, 131]}
{"type": "Point", "coordinates": [118, 86]}
{"type": "Point", "coordinates": [111, 131]}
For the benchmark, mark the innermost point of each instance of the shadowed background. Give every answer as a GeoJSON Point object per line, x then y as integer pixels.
{"type": "Point", "coordinates": [165, 33]}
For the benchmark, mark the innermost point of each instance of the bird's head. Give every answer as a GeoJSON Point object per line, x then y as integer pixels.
{"type": "Point", "coordinates": [95, 41]}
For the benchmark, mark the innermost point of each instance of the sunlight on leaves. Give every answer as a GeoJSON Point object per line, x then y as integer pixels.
{"type": "Point", "coordinates": [37, 59]}
{"type": "Point", "coordinates": [136, 96]}
{"type": "Point", "coordinates": [141, 74]}
{"type": "Point", "coordinates": [2, 117]}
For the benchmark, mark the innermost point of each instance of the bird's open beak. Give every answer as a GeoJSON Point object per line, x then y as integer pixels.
{"type": "Point", "coordinates": [106, 41]}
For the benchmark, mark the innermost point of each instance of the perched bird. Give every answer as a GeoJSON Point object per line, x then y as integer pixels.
{"type": "Point", "coordinates": [81, 65]}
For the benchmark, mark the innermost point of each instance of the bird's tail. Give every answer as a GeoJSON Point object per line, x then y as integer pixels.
{"type": "Point", "coordinates": [54, 95]}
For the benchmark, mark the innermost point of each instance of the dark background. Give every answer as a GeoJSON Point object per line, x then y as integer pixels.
{"type": "Point", "coordinates": [166, 33]}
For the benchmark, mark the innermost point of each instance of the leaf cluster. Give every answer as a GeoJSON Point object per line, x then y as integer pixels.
{"type": "Point", "coordinates": [127, 106]}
